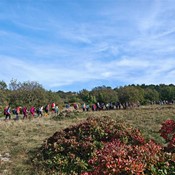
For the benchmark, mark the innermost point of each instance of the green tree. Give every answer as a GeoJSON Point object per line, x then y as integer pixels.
{"type": "Point", "coordinates": [167, 92]}
{"type": "Point", "coordinates": [3, 85]}
{"type": "Point", "coordinates": [150, 95]}
{"type": "Point", "coordinates": [31, 93]}
{"type": "Point", "coordinates": [130, 96]}
{"type": "Point", "coordinates": [105, 94]}
{"type": "Point", "coordinates": [86, 96]}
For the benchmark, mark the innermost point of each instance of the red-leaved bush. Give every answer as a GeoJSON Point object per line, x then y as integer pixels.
{"type": "Point", "coordinates": [167, 131]}
{"type": "Point", "coordinates": [101, 145]}
{"type": "Point", "coordinates": [119, 158]}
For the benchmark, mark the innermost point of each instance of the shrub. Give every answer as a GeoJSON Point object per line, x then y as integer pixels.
{"type": "Point", "coordinates": [101, 145]}
{"type": "Point", "coordinates": [66, 114]}
{"type": "Point", "coordinates": [70, 150]}
{"type": "Point", "coordinates": [167, 131]}
{"type": "Point", "coordinates": [119, 158]}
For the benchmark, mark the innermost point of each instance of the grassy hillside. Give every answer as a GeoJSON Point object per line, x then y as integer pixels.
{"type": "Point", "coordinates": [20, 138]}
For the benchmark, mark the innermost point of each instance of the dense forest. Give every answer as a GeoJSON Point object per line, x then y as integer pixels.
{"type": "Point", "coordinates": [32, 93]}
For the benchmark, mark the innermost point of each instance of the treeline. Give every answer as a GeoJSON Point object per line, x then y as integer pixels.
{"type": "Point", "coordinates": [131, 94]}
{"type": "Point", "coordinates": [32, 93]}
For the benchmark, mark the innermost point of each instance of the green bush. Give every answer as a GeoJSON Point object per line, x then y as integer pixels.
{"type": "Point", "coordinates": [66, 114]}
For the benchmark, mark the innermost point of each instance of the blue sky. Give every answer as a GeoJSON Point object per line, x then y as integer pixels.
{"type": "Point", "coordinates": [72, 45]}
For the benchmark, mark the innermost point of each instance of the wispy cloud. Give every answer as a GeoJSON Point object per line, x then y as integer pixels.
{"type": "Point", "coordinates": [122, 42]}
{"type": "Point", "coordinates": [51, 75]}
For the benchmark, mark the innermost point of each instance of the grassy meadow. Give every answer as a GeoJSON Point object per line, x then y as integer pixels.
{"type": "Point", "coordinates": [19, 139]}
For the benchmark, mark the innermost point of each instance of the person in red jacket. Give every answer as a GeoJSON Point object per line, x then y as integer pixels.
{"type": "Point", "coordinates": [53, 107]}
{"type": "Point", "coordinates": [32, 111]}
{"type": "Point", "coordinates": [24, 111]}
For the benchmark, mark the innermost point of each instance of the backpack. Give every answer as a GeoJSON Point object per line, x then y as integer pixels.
{"type": "Point", "coordinates": [46, 108]}
{"type": "Point", "coordinates": [53, 105]}
{"type": "Point", "coordinates": [5, 111]}
{"type": "Point", "coordinates": [24, 109]}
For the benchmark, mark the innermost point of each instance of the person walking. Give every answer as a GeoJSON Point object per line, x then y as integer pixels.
{"type": "Point", "coordinates": [56, 109]}
{"type": "Point", "coordinates": [24, 111]}
{"type": "Point", "coordinates": [32, 111]}
{"type": "Point", "coordinates": [53, 107]}
{"type": "Point", "coordinates": [40, 111]}
{"type": "Point", "coordinates": [7, 112]}
{"type": "Point", "coordinates": [87, 107]}
{"type": "Point", "coordinates": [46, 109]}
{"type": "Point", "coordinates": [17, 111]}
{"type": "Point", "coordinates": [84, 107]}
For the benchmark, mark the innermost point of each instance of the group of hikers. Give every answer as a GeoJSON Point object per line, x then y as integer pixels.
{"type": "Point", "coordinates": [98, 106]}
{"type": "Point", "coordinates": [54, 109]}
{"type": "Point", "coordinates": [30, 112]}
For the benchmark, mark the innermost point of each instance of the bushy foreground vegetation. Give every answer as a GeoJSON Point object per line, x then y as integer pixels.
{"type": "Point", "coordinates": [21, 140]}
{"type": "Point", "coordinates": [101, 145]}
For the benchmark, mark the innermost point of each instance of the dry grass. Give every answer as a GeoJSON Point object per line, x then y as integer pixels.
{"type": "Point", "coordinates": [18, 138]}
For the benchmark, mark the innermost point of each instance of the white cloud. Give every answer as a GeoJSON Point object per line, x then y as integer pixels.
{"type": "Point", "coordinates": [51, 75]}
{"type": "Point", "coordinates": [120, 42]}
